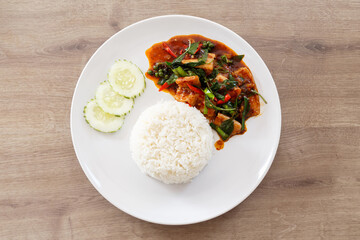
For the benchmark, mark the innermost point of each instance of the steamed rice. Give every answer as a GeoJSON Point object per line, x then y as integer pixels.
{"type": "Point", "coordinates": [171, 142]}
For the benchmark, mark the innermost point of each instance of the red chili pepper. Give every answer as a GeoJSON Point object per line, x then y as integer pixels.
{"type": "Point", "coordinates": [181, 51]}
{"type": "Point", "coordinates": [164, 86]}
{"type": "Point", "coordinates": [227, 98]}
{"type": "Point", "coordinates": [167, 48]}
{"type": "Point", "coordinates": [198, 48]}
{"type": "Point", "coordinates": [195, 89]}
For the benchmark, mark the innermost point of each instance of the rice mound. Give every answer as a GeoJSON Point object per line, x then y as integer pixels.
{"type": "Point", "coordinates": [171, 142]}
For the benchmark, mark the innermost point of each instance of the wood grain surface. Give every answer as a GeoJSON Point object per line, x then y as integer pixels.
{"type": "Point", "coordinates": [312, 49]}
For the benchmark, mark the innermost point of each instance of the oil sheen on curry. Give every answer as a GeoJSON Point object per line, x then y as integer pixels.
{"type": "Point", "coordinates": [208, 75]}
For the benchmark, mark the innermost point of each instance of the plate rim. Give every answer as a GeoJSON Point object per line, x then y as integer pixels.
{"type": "Point", "coordinates": [105, 195]}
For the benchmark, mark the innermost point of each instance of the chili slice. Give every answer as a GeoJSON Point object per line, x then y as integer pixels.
{"type": "Point", "coordinates": [200, 45]}
{"type": "Point", "coordinates": [164, 86]}
{"type": "Point", "coordinates": [167, 48]}
{"type": "Point", "coordinates": [227, 98]}
{"type": "Point", "coordinates": [195, 89]}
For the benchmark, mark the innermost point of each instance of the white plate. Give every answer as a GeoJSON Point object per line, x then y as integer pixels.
{"type": "Point", "coordinates": [232, 173]}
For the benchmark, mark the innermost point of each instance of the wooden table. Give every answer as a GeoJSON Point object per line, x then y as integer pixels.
{"type": "Point", "coordinates": [312, 190]}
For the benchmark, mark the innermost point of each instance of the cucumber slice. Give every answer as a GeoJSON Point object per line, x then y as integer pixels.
{"type": "Point", "coordinates": [126, 79]}
{"type": "Point", "coordinates": [112, 102]}
{"type": "Point", "coordinates": [100, 120]}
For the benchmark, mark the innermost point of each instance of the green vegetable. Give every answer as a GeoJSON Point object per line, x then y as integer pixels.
{"type": "Point", "coordinates": [230, 83]}
{"type": "Point", "coordinates": [201, 60]}
{"type": "Point", "coordinates": [100, 120]}
{"type": "Point", "coordinates": [215, 86]}
{"type": "Point", "coordinates": [150, 72]}
{"type": "Point", "coordinates": [245, 111]}
{"type": "Point", "coordinates": [222, 134]}
{"type": "Point", "coordinates": [171, 79]}
{"type": "Point", "coordinates": [191, 49]}
{"type": "Point", "coordinates": [209, 104]}
{"type": "Point", "coordinates": [205, 109]}
{"type": "Point", "coordinates": [225, 60]}
{"type": "Point", "coordinates": [227, 126]}
{"type": "Point", "coordinates": [156, 67]}
{"type": "Point", "coordinates": [208, 45]}
{"type": "Point", "coordinates": [179, 59]}
{"type": "Point", "coordinates": [161, 81]}
{"type": "Point", "coordinates": [156, 74]}
{"type": "Point", "coordinates": [209, 94]}
{"type": "Point", "coordinates": [219, 96]}
{"type": "Point", "coordinates": [253, 91]}
{"type": "Point", "coordinates": [229, 105]}
{"type": "Point", "coordinates": [213, 74]}
{"type": "Point", "coordinates": [238, 58]}
{"type": "Point", "coordinates": [180, 72]}
{"type": "Point", "coordinates": [227, 83]}
{"type": "Point", "coordinates": [161, 74]}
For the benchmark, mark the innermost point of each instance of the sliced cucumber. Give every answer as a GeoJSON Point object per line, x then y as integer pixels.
{"type": "Point", "coordinates": [100, 120]}
{"type": "Point", "coordinates": [126, 79]}
{"type": "Point", "coordinates": [112, 102]}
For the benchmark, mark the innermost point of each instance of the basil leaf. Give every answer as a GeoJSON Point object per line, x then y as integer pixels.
{"type": "Point", "coordinates": [209, 104]}
{"type": "Point", "coordinates": [204, 56]}
{"type": "Point", "coordinates": [225, 60]}
{"type": "Point", "coordinates": [179, 59]}
{"type": "Point", "coordinates": [194, 64]}
{"type": "Point", "coordinates": [222, 134]}
{"type": "Point", "coordinates": [230, 83]}
{"type": "Point", "coordinates": [213, 74]}
{"type": "Point", "coordinates": [193, 47]}
{"type": "Point", "coordinates": [219, 96]}
{"type": "Point", "coordinates": [200, 72]}
{"type": "Point", "coordinates": [238, 58]}
{"type": "Point", "coordinates": [227, 126]}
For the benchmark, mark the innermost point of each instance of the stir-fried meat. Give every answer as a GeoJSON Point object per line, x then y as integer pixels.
{"type": "Point", "coordinates": [192, 80]}
{"type": "Point", "coordinates": [221, 118]}
{"type": "Point", "coordinates": [232, 89]}
{"type": "Point", "coordinates": [244, 73]}
{"type": "Point", "coordinates": [254, 105]}
{"type": "Point", "coordinates": [184, 94]}
{"type": "Point", "coordinates": [211, 113]}
{"type": "Point", "coordinates": [208, 66]}
{"type": "Point", "coordinates": [220, 78]}
{"type": "Point", "coordinates": [235, 92]}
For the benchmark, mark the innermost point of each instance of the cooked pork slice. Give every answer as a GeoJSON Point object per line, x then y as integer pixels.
{"type": "Point", "coordinates": [235, 92]}
{"type": "Point", "coordinates": [192, 80]}
{"type": "Point", "coordinates": [244, 73]}
{"type": "Point", "coordinates": [254, 105]}
{"type": "Point", "coordinates": [221, 118]}
{"type": "Point", "coordinates": [220, 78]}
{"type": "Point", "coordinates": [184, 94]}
